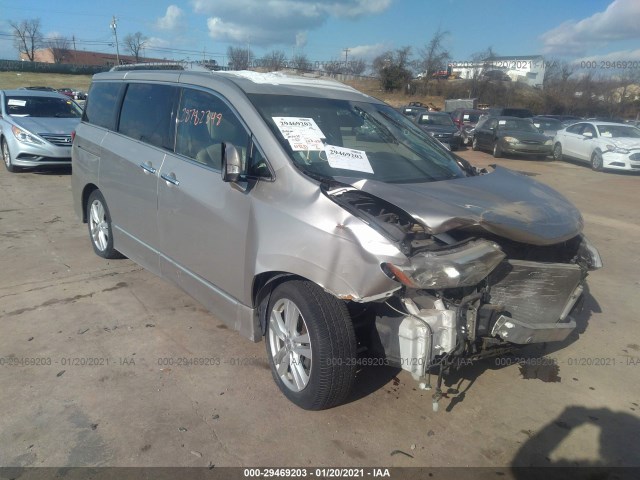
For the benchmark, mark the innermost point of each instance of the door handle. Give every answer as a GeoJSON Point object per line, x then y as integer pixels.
{"type": "Point", "coordinates": [147, 167]}
{"type": "Point", "coordinates": [170, 178]}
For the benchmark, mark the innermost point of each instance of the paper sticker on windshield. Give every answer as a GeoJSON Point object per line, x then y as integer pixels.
{"type": "Point", "coordinates": [16, 102]}
{"type": "Point", "coordinates": [606, 134]}
{"type": "Point", "coordinates": [502, 122]}
{"type": "Point", "coordinates": [348, 159]}
{"type": "Point", "coordinates": [298, 126]}
{"type": "Point", "coordinates": [301, 143]}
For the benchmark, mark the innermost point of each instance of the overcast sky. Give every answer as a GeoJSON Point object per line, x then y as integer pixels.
{"type": "Point", "coordinates": [323, 29]}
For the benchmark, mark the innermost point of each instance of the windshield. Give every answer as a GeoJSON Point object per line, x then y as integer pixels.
{"type": "Point", "coordinates": [440, 120]}
{"type": "Point", "coordinates": [618, 131]}
{"type": "Point", "coordinates": [548, 124]}
{"type": "Point", "coordinates": [331, 138]}
{"type": "Point", "coordinates": [43, 107]}
{"type": "Point", "coordinates": [520, 125]}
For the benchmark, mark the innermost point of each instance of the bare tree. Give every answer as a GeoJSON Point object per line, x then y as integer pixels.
{"type": "Point", "coordinates": [301, 63]}
{"type": "Point", "coordinates": [239, 58]}
{"type": "Point", "coordinates": [356, 66]}
{"type": "Point", "coordinates": [334, 67]}
{"type": "Point", "coordinates": [274, 61]}
{"type": "Point", "coordinates": [392, 68]}
{"type": "Point", "coordinates": [434, 56]}
{"type": "Point", "coordinates": [27, 36]}
{"type": "Point", "coordinates": [135, 43]}
{"type": "Point", "coordinates": [59, 47]}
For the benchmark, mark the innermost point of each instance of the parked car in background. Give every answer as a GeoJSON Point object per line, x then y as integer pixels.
{"type": "Point", "coordinates": [412, 110]}
{"type": "Point", "coordinates": [79, 95]}
{"type": "Point", "coordinates": [548, 126]}
{"type": "Point", "coordinates": [466, 119]}
{"type": "Point", "coordinates": [508, 112]}
{"type": "Point", "coordinates": [35, 128]}
{"type": "Point", "coordinates": [566, 120]}
{"type": "Point", "coordinates": [511, 135]}
{"type": "Point", "coordinates": [394, 251]}
{"type": "Point", "coordinates": [605, 145]}
{"type": "Point", "coordinates": [66, 91]}
{"type": "Point", "coordinates": [441, 127]}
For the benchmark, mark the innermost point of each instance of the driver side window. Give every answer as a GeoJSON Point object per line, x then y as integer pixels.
{"type": "Point", "coordinates": [205, 122]}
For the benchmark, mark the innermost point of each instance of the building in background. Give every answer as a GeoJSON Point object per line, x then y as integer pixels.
{"type": "Point", "coordinates": [524, 68]}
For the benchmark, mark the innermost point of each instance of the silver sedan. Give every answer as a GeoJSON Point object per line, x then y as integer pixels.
{"type": "Point", "coordinates": [36, 128]}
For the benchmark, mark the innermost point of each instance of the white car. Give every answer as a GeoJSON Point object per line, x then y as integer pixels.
{"type": "Point", "coordinates": [606, 145]}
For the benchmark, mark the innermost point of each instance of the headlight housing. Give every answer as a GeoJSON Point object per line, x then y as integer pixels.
{"type": "Point", "coordinates": [450, 267]}
{"type": "Point", "coordinates": [549, 142]}
{"type": "Point", "coordinates": [25, 137]}
{"type": "Point", "coordinates": [511, 139]}
{"type": "Point", "coordinates": [616, 149]}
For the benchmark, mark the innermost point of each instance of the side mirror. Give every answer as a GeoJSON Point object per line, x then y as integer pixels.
{"type": "Point", "coordinates": [231, 163]}
{"type": "Point", "coordinates": [587, 135]}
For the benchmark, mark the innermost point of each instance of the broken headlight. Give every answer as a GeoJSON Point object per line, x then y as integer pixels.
{"type": "Point", "coordinates": [457, 266]}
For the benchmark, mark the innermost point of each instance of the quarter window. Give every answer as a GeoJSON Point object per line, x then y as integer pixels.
{"type": "Point", "coordinates": [102, 104]}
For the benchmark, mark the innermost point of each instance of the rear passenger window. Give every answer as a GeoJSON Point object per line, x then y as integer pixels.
{"type": "Point", "coordinates": [147, 114]}
{"type": "Point", "coordinates": [102, 103]}
{"type": "Point", "coordinates": [204, 123]}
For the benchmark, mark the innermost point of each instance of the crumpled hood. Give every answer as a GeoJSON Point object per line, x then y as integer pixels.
{"type": "Point", "coordinates": [503, 202]}
{"type": "Point", "coordinates": [47, 124]}
{"type": "Point", "coordinates": [624, 142]}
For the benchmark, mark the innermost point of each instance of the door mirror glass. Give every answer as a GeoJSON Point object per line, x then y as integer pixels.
{"type": "Point", "coordinates": [587, 135]}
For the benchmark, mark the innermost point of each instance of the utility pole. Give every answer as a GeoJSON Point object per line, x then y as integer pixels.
{"type": "Point", "coordinates": [74, 42]}
{"type": "Point", "coordinates": [346, 56]}
{"type": "Point", "coordinates": [114, 25]}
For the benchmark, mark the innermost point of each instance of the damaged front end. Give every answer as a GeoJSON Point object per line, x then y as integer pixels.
{"type": "Point", "coordinates": [468, 293]}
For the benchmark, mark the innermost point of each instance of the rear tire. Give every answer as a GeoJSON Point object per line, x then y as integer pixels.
{"type": "Point", "coordinates": [100, 229]}
{"type": "Point", "coordinates": [311, 345]}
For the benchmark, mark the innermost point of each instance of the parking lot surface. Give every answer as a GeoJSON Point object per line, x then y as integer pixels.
{"type": "Point", "coordinates": [104, 364]}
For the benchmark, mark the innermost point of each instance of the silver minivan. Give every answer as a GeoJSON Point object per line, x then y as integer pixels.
{"type": "Point", "coordinates": [308, 213]}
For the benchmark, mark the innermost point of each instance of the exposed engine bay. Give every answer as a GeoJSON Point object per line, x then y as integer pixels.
{"type": "Point", "coordinates": [467, 293]}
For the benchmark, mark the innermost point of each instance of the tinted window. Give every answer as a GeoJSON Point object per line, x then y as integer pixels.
{"type": "Point", "coordinates": [577, 128]}
{"type": "Point", "coordinates": [147, 114]}
{"type": "Point", "coordinates": [102, 103]}
{"type": "Point", "coordinates": [204, 123]}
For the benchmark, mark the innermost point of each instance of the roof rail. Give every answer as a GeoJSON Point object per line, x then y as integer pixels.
{"type": "Point", "coordinates": [160, 66]}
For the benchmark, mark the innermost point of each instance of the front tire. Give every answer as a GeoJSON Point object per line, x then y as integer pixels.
{"type": "Point", "coordinates": [497, 150]}
{"type": "Point", "coordinates": [311, 345]}
{"type": "Point", "coordinates": [6, 156]}
{"type": "Point", "coordinates": [100, 229]}
{"type": "Point", "coordinates": [596, 161]}
{"type": "Point", "coordinates": [557, 152]}
{"type": "Point", "coordinates": [474, 145]}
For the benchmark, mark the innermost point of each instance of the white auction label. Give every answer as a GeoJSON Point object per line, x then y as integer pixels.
{"type": "Point", "coordinates": [348, 159]}
{"type": "Point", "coordinates": [302, 133]}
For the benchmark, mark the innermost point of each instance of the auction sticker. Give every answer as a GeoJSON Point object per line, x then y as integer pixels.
{"type": "Point", "coordinates": [348, 159]}
{"type": "Point", "coordinates": [302, 133]}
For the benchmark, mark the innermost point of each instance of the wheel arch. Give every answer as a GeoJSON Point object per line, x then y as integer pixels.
{"type": "Point", "coordinates": [86, 192]}
{"type": "Point", "coordinates": [263, 285]}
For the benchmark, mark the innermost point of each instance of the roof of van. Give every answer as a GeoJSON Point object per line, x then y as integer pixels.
{"type": "Point", "coordinates": [251, 82]}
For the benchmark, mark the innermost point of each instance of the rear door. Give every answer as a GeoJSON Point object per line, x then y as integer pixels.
{"type": "Point", "coordinates": [132, 157]}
